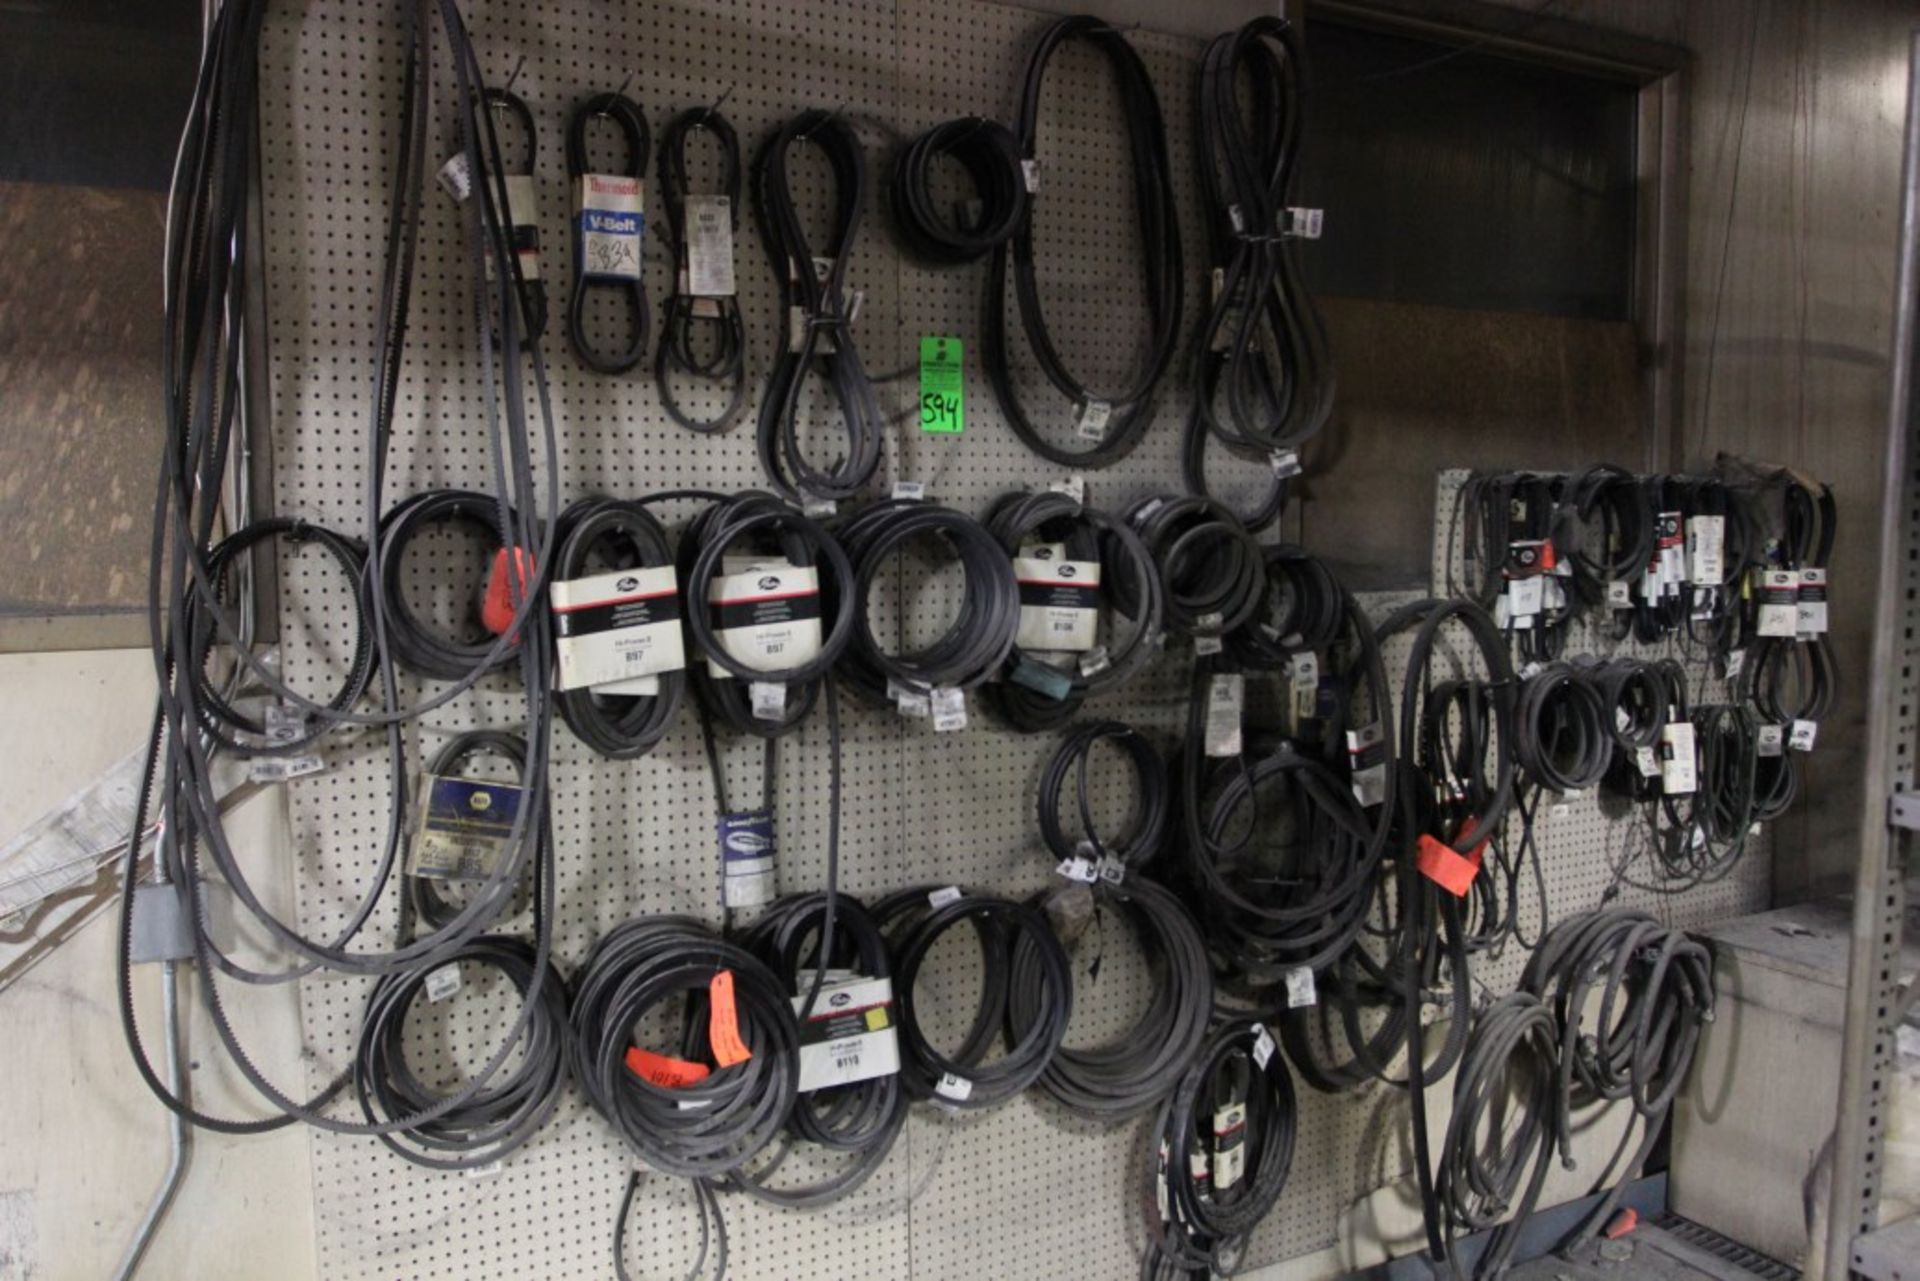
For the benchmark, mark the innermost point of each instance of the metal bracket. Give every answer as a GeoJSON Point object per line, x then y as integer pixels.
{"type": "Point", "coordinates": [160, 928]}
{"type": "Point", "coordinates": [1903, 810]}
{"type": "Point", "coordinates": [1888, 1254]}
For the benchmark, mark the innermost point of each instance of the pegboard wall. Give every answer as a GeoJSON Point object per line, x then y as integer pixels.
{"type": "Point", "coordinates": [1026, 1189]}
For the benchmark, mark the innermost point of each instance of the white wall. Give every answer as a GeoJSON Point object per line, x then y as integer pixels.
{"type": "Point", "coordinates": [85, 1143]}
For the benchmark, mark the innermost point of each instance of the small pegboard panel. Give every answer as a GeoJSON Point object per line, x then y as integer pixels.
{"type": "Point", "coordinates": [1585, 837]}
{"type": "Point", "coordinates": [1024, 1190]}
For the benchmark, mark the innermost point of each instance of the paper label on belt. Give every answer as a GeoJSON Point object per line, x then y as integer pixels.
{"type": "Point", "coordinates": [766, 617]}
{"type": "Point", "coordinates": [709, 233]}
{"type": "Point", "coordinates": [612, 628]}
{"type": "Point", "coordinates": [463, 827]}
{"type": "Point", "coordinates": [849, 1036]}
{"type": "Point", "coordinates": [609, 220]}
{"type": "Point", "coordinates": [1059, 602]}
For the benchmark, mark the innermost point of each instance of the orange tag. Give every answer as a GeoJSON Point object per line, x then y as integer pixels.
{"type": "Point", "coordinates": [663, 1071]}
{"type": "Point", "coordinates": [497, 608]}
{"type": "Point", "coordinates": [1446, 867]}
{"type": "Point", "coordinates": [723, 1022]}
{"type": "Point", "coordinates": [1547, 558]}
{"type": "Point", "coordinates": [1624, 1222]}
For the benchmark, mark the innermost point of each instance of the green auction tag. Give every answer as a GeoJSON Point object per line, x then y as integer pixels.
{"type": "Point", "coordinates": [942, 386]}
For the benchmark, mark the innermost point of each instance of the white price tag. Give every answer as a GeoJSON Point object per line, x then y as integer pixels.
{"type": "Point", "coordinates": [910, 491]}
{"type": "Point", "coordinates": [1802, 736]}
{"type": "Point", "coordinates": [1367, 761]}
{"type": "Point", "coordinates": [1226, 698]}
{"type": "Point", "coordinates": [957, 1088]}
{"type": "Point", "coordinates": [1300, 988]}
{"type": "Point", "coordinates": [1285, 463]}
{"type": "Point", "coordinates": [1619, 594]}
{"type": "Point", "coordinates": [1771, 740]}
{"type": "Point", "coordinates": [456, 177]}
{"type": "Point", "coordinates": [1523, 598]}
{"type": "Point", "coordinates": [949, 710]}
{"type": "Point", "coordinates": [1078, 869]}
{"type": "Point", "coordinates": [1779, 603]}
{"type": "Point", "coordinates": [769, 700]}
{"type": "Point", "coordinates": [1229, 1146]}
{"type": "Point", "coordinates": [1305, 223]}
{"type": "Point", "coordinates": [523, 214]}
{"type": "Point", "coordinates": [443, 982]}
{"type": "Point", "coordinates": [281, 769]}
{"type": "Point", "coordinates": [709, 247]}
{"type": "Point", "coordinates": [1679, 765]}
{"type": "Point", "coordinates": [1074, 487]}
{"type": "Point", "coordinates": [1647, 759]}
{"type": "Point", "coordinates": [1090, 423]}
{"type": "Point", "coordinates": [941, 897]}
{"type": "Point", "coordinates": [1263, 1046]}
{"type": "Point", "coordinates": [1706, 543]}
{"type": "Point", "coordinates": [1030, 174]}
{"type": "Point", "coordinates": [1810, 605]}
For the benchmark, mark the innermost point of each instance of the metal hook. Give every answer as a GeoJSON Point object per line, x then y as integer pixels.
{"type": "Point", "coordinates": [517, 67]}
{"type": "Point", "coordinates": [608, 99]}
{"type": "Point", "coordinates": [707, 113]}
{"type": "Point", "coordinates": [822, 123]}
{"type": "Point", "coordinates": [979, 123]}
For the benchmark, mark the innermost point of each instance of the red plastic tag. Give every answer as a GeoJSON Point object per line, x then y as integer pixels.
{"type": "Point", "coordinates": [723, 1022]}
{"type": "Point", "coordinates": [663, 1071]}
{"type": "Point", "coordinates": [1446, 867]}
{"type": "Point", "coordinates": [497, 607]}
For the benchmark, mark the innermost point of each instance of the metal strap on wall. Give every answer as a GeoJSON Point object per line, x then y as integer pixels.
{"type": "Point", "coordinates": [1886, 823]}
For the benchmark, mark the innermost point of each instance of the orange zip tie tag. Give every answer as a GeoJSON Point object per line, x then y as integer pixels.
{"type": "Point", "coordinates": [1624, 1222]}
{"type": "Point", "coordinates": [497, 607]}
{"type": "Point", "coordinates": [1446, 867]}
{"type": "Point", "coordinates": [723, 1022]}
{"type": "Point", "coordinates": [663, 1071]}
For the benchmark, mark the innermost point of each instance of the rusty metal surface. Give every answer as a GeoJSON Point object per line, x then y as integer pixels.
{"type": "Point", "coordinates": [80, 410]}
{"type": "Point", "coordinates": [1426, 388]}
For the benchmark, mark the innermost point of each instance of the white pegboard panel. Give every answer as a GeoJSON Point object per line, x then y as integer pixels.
{"type": "Point", "coordinates": [1025, 1190]}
